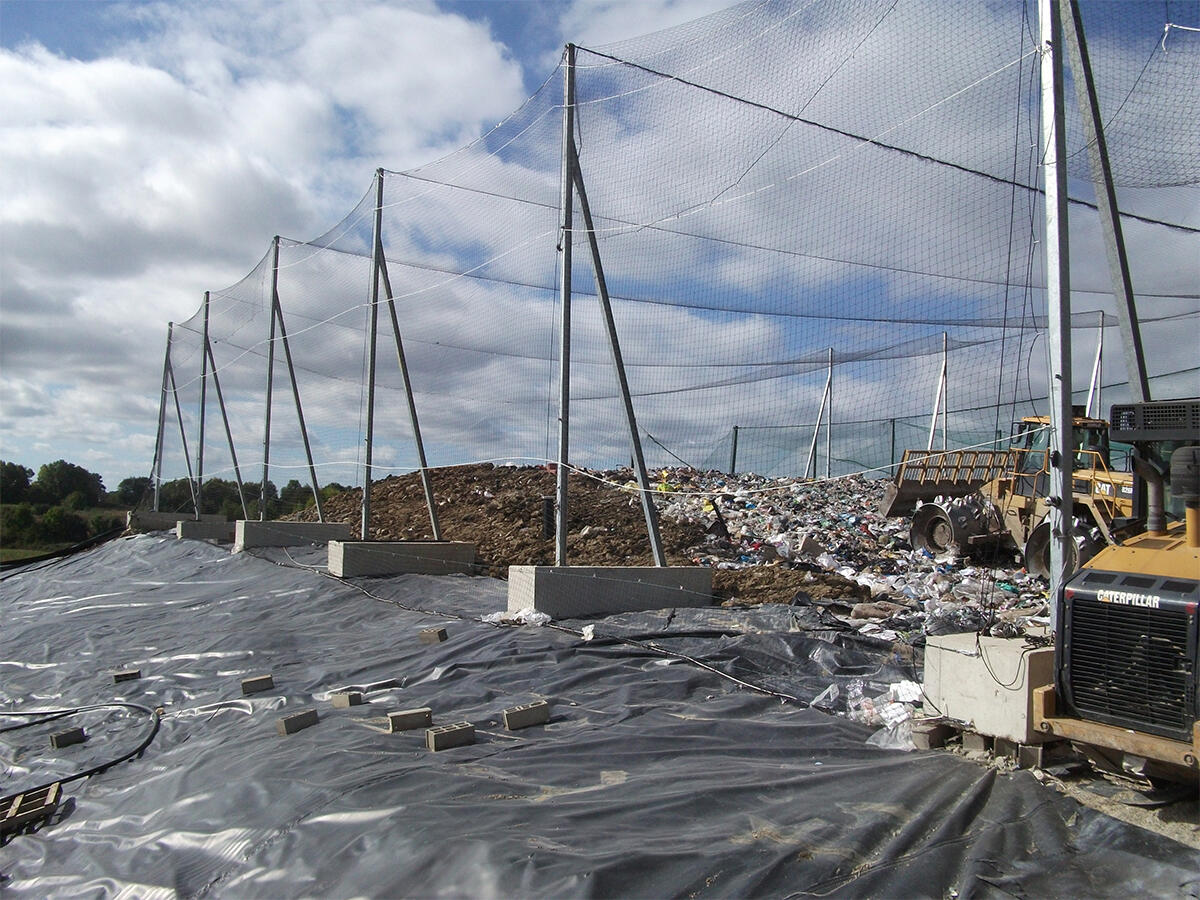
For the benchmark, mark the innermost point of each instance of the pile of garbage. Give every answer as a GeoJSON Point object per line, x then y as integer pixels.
{"type": "Point", "coordinates": [833, 525]}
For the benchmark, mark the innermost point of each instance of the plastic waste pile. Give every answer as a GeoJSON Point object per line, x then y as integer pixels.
{"type": "Point", "coordinates": [834, 526]}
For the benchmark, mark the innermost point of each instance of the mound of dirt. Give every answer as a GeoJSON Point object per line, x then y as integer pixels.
{"type": "Point", "coordinates": [500, 510]}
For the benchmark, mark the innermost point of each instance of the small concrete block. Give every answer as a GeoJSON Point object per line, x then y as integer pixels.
{"type": "Point", "coordinates": [296, 721]}
{"type": "Point", "coordinates": [432, 635]}
{"type": "Point", "coordinates": [67, 738]}
{"type": "Point", "coordinates": [536, 713]}
{"type": "Point", "coordinates": [126, 675]}
{"type": "Point", "coordinates": [973, 741]}
{"type": "Point", "coordinates": [346, 699]}
{"type": "Point", "coordinates": [257, 683]}
{"type": "Point", "coordinates": [443, 737]}
{"type": "Point", "coordinates": [1006, 748]}
{"type": "Point", "coordinates": [931, 734]}
{"type": "Point", "coordinates": [408, 719]}
{"type": "Point", "coordinates": [1030, 756]}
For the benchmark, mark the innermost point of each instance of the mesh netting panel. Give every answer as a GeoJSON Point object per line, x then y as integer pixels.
{"type": "Point", "coordinates": [773, 186]}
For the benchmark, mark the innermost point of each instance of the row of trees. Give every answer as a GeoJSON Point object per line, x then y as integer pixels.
{"type": "Point", "coordinates": [46, 510]}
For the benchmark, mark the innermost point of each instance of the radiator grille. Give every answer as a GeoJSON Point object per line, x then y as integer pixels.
{"type": "Point", "coordinates": [1131, 666]}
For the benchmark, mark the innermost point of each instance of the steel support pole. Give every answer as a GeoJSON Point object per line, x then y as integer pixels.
{"type": "Point", "coordinates": [829, 420]}
{"type": "Point", "coordinates": [810, 466]}
{"type": "Point", "coordinates": [262, 496]}
{"type": "Point", "coordinates": [376, 254]}
{"type": "Point", "coordinates": [203, 401]}
{"type": "Point", "coordinates": [614, 345]}
{"type": "Point", "coordinates": [287, 355]}
{"type": "Point", "coordinates": [1106, 198]}
{"type": "Point", "coordinates": [156, 466]}
{"type": "Point", "coordinates": [733, 451]}
{"type": "Point", "coordinates": [187, 456]}
{"type": "Point", "coordinates": [237, 471]}
{"type": "Point", "coordinates": [1058, 295]}
{"type": "Point", "coordinates": [1097, 371]}
{"type": "Point", "coordinates": [426, 482]}
{"type": "Point", "coordinates": [938, 402]}
{"type": "Point", "coordinates": [566, 209]}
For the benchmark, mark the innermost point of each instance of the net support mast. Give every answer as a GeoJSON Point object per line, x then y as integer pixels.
{"type": "Point", "coordinates": [187, 457]}
{"type": "Point", "coordinates": [156, 466]}
{"type": "Point", "coordinates": [1058, 293]}
{"type": "Point", "coordinates": [262, 495]}
{"type": "Point", "coordinates": [373, 332]}
{"type": "Point", "coordinates": [203, 401]}
{"type": "Point", "coordinates": [566, 208]}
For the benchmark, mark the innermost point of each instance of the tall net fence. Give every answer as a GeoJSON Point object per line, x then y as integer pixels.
{"type": "Point", "coordinates": [804, 211]}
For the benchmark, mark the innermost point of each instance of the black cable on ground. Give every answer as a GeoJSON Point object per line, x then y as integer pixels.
{"type": "Point", "coordinates": [52, 714]}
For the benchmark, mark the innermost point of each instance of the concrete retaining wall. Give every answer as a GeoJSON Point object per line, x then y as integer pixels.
{"type": "Point", "coordinates": [205, 531]}
{"type": "Point", "coordinates": [565, 592]}
{"type": "Point", "coordinates": [287, 534]}
{"type": "Point", "coordinates": [350, 558]}
{"type": "Point", "coordinates": [145, 520]}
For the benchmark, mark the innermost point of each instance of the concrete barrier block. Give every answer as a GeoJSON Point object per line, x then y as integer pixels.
{"type": "Point", "coordinates": [346, 699]}
{"type": "Point", "coordinates": [67, 738]}
{"type": "Point", "coordinates": [568, 592]}
{"type": "Point", "coordinates": [536, 713]}
{"type": "Point", "coordinates": [296, 721]}
{"type": "Point", "coordinates": [249, 534]}
{"type": "Point", "coordinates": [432, 635]}
{"type": "Point", "coordinates": [443, 737]}
{"type": "Point", "coordinates": [222, 532]}
{"type": "Point", "coordinates": [126, 675]}
{"type": "Point", "coordinates": [348, 559]}
{"type": "Point", "coordinates": [974, 742]}
{"type": "Point", "coordinates": [408, 719]}
{"type": "Point", "coordinates": [257, 683]}
{"type": "Point", "coordinates": [146, 520]}
{"type": "Point", "coordinates": [987, 681]}
{"type": "Point", "coordinates": [931, 734]}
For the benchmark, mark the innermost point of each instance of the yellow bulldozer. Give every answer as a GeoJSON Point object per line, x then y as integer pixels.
{"type": "Point", "coordinates": [984, 500]}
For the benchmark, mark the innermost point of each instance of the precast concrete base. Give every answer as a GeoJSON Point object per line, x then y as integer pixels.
{"type": "Point", "coordinates": [350, 558]}
{"type": "Point", "coordinates": [145, 520]}
{"type": "Point", "coordinates": [568, 592]}
{"type": "Point", "coordinates": [987, 682]}
{"type": "Point", "coordinates": [205, 531]}
{"type": "Point", "coordinates": [287, 534]}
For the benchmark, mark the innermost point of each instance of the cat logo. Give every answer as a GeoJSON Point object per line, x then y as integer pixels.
{"type": "Point", "coordinates": [1128, 598]}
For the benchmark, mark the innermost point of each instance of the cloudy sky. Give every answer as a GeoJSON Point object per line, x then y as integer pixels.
{"type": "Point", "coordinates": [148, 151]}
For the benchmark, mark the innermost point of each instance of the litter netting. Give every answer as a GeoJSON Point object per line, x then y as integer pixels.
{"type": "Point", "coordinates": [804, 212]}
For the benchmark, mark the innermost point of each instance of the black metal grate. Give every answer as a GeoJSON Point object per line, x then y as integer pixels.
{"type": "Point", "coordinates": [1130, 665]}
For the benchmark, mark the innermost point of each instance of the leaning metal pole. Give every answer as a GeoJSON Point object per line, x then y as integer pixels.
{"type": "Point", "coordinates": [203, 400]}
{"type": "Point", "coordinates": [237, 471]}
{"type": "Point", "coordinates": [187, 457]}
{"type": "Point", "coordinates": [648, 508]}
{"type": "Point", "coordinates": [1058, 296]}
{"type": "Point", "coordinates": [372, 338]}
{"type": "Point", "coordinates": [566, 201]}
{"type": "Point", "coordinates": [1106, 199]}
{"type": "Point", "coordinates": [287, 355]}
{"type": "Point", "coordinates": [426, 482]}
{"type": "Point", "coordinates": [829, 420]}
{"type": "Point", "coordinates": [156, 467]}
{"type": "Point", "coordinates": [262, 495]}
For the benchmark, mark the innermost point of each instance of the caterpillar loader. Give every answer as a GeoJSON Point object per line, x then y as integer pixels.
{"type": "Point", "coordinates": [969, 500]}
{"type": "Point", "coordinates": [1127, 645]}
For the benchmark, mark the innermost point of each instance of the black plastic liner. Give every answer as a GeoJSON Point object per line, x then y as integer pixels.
{"type": "Point", "coordinates": [654, 778]}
